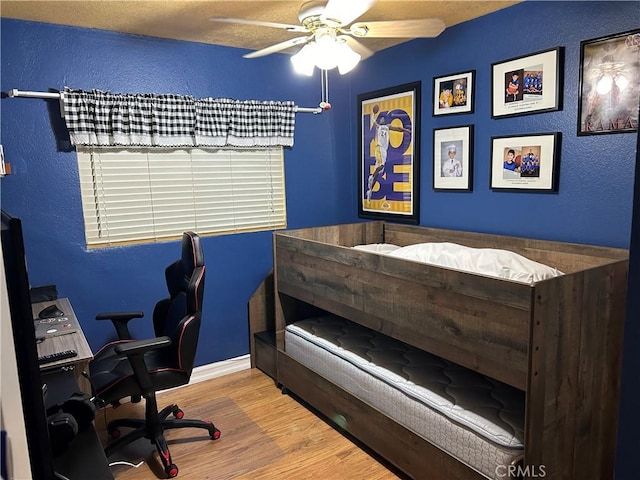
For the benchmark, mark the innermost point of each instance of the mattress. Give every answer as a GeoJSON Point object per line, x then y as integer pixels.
{"type": "Point", "coordinates": [476, 419]}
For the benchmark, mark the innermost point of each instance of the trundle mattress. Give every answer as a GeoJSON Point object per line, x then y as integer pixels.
{"type": "Point", "coordinates": [476, 419]}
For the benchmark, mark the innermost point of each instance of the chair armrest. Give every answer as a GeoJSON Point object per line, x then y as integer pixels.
{"type": "Point", "coordinates": [142, 346]}
{"type": "Point", "coordinates": [135, 352]}
{"type": "Point", "coordinates": [120, 321]}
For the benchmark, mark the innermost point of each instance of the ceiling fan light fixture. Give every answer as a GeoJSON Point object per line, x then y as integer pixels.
{"type": "Point", "coordinates": [347, 58]}
{"type": "Point", "coordinates": [325, 56]}
{"type": "Point", "coordinates": [303, 61]}
{"type": "Point", "coordinates": [325, 50]}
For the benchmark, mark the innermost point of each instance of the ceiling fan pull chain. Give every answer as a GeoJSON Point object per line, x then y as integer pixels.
{"type": "Point", "coordinates": [324, 87]}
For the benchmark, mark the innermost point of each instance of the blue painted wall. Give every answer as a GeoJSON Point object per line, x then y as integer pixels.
{"type": "Point", "coordinates": [44, 188]}
{"type": "Point", "coordinates": [594, 203]}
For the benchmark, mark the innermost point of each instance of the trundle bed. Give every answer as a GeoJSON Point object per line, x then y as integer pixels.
{"type": "Point", "coordinates": [450, 374]}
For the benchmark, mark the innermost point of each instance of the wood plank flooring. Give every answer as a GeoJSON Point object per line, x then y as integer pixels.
{"type": "Point", "coordinates": [265, 435]}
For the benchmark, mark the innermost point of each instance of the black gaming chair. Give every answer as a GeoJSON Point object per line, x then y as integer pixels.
{"type": "Point", "coordinates": [128, 368]}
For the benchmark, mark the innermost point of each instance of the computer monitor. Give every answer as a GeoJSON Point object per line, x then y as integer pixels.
{"type": "Point", "coordinates": [24, 338]}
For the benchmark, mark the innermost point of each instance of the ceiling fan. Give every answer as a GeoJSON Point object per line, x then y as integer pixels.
{"type": "Point", "coordinates": [330, 39]}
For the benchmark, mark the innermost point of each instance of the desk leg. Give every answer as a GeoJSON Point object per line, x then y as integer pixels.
{"type": "Point", "coordinates": [83, 382]}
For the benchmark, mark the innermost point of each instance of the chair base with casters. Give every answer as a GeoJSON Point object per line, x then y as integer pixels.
{"type": "Point", "coordinates": [141, 369]}
{"type": "Point", "coordinates": [152, 428]}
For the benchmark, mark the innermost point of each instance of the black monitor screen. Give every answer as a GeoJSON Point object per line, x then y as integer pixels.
{"type": "Point", "coordinates": [24, 337]}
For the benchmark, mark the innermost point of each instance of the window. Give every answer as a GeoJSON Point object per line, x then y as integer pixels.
{"type": "Point", "coordinates": [143, 194]}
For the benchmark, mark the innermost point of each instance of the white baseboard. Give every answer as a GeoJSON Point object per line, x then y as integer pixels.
{"type": "Point", "coordinates": [212, 370]}
{"type": "Point", "coordinates": [218, 369]}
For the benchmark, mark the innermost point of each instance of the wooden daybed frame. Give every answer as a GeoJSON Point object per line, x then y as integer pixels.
{"type": "Point", "coordinates": [558, 340]}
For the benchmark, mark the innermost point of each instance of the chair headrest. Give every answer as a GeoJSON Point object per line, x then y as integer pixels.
{"type": "Point", "coordinates": [192, 254]}
{"type": "Point", "coordinates": [180, 272]}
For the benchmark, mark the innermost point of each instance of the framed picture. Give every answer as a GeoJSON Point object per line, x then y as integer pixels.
{"type": "Point", "coordinates": [525, 162]}
{"type": "Point", "coordinates": [609, 84]}
{"type": "Point", "coordinates": [453, 158]}
{"type": "Point", "coordinates": [388, 184]}
{"type": "Point", "coordinates": [454, 93]}
{"type": "Point", "coordinates": [529, 84]}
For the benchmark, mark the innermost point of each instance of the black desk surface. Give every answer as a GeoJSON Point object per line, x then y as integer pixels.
{"type": "Point", "coordinates": [84, 459]}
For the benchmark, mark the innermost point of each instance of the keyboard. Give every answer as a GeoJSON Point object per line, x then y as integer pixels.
{"type": "Point", "coordinates": [54, 357]}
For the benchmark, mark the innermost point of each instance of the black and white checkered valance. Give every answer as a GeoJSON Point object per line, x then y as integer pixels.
{"type": "Point", "coordinates": [102, 118]}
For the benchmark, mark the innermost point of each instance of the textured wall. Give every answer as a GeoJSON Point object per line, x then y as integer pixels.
{"type": "Point", "coordinates": [594, 200]}
{"type": "Point", "coordinates": [593, 204]}
{"type": "Point", "coordinates": [44, 189]}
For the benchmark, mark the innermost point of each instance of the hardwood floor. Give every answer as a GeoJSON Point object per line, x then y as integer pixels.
{"type": "Point", "coordinates": [265, 435]}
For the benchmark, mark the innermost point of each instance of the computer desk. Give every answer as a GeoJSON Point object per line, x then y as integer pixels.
{"type": "Point", "coordinates": [84, 458]}
{"type": "Point", "coordinates": [71, 341]}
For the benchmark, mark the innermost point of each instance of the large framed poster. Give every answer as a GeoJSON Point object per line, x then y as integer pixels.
{"type": "Point", "coordinates": [609, 84]}
{"type": "Point", "coordinates": [388, 180]}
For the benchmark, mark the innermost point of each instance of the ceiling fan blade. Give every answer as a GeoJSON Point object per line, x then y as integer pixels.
{"type": "Point", "coordinates": [344, 12]}
{"type": "Point", "coordinates": [278, 47]}
{"type": "Point", "coordinates": [259, 23]}
{"type": "Point", "coordinates": [421, 28]}
{"type": "Point", "coordinates": [357, 47]}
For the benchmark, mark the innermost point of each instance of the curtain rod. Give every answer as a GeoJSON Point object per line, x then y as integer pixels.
{"type": "Point", "coordinates": [14, 92]}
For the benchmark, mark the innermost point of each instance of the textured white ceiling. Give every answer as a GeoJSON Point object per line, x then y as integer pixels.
{"type": "Point", "coordinates": [189, 19]}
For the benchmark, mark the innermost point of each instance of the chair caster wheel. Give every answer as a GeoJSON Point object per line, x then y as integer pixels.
{"type": "Point", "coordinates": [216, 434]}
{"type": "Point", "coordinates": [171, 470]}
{"type": "Point", "coordinates": [178, 414]}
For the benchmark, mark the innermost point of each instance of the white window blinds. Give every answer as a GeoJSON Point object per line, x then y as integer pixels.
{"type": "Point", "coordinates": [142, 194]}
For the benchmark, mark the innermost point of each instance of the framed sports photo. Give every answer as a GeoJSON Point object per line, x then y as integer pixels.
{"type": "Point", "coordinates": [453, 158]}
{"type": "Point", "coordinates": [525, 162]}
{"type": "Point", "coordinates": [529, 84]}
{"type": "Point", "coordinates": [388, 180]}
{"type": "Point", "coordinates": [609, 84]}
{"type": "Point", "coordinates": [454, 93]}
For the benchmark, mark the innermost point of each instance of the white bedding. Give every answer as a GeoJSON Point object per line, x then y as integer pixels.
{"type": "Point", "coordinates": [485, 261]}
